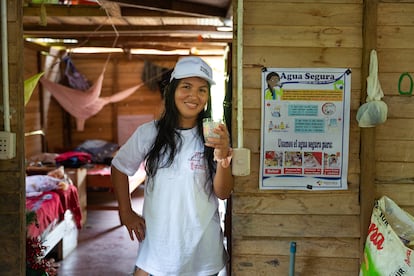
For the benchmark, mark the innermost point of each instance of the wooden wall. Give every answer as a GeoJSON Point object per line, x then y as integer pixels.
{"type": "Point", "coordinates": [12, 191]}
{"type": "Point", "coordinates": [121, 72]}
{"type": "Point", "coordinates": [328, 227]}
{"type": "Point", "coordinates": [32, 110]}
{"type": "Point", "coordinates": [394, 145]}
{"type": "Point", "coordinates": [324, 224]}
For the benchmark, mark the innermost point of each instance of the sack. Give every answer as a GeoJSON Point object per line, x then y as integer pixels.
{"type": "Point", "coordinates": [75, 79]}
{"type": "Point", "coordinates": [390, 242]}
{"type": "Point", "coordinates": [73, 159]}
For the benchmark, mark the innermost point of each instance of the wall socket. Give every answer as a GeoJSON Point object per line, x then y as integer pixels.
{"type": "Point", "coordinates": [7, 145]}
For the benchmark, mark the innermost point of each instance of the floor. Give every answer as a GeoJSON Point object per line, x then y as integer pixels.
{"type": "Point", "coordinates": [104, 246]}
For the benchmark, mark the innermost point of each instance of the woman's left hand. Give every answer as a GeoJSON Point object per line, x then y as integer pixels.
{"type": "Point", "coordinates": [220, 144]}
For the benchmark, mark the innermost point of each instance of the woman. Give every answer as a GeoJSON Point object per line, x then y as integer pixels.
{"type": "Point", "coordinates": [179, 231]}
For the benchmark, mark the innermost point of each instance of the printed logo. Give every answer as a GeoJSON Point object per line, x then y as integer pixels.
{"type": "Point", "coordinates": [197, 161]}
{"type": "Point", "coordinates": [205, 71]}
{"type": "Point", "coordinates": [375, 236]}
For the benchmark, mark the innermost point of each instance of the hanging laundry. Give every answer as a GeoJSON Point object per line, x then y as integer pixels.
{"type": "Point", "coordinates": [73, 78]}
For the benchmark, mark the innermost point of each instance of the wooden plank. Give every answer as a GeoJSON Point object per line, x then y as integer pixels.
{"type": "Point", "coordinates": [306, 247]}
{"type": "Point", "coordinates": [399, 106]}
{"type": "Point", "coordinates": [251, 121]}
{"type": "Point", "coordinates": [252, 140]}
{"type": "Point", "coordinates": [310, 14]}
{"type": "Point", "coordinates": [395, 151]}
{"type": "Point", "coordinates": [299, 203]}
{"type": "Point", "coordinates": [395, 60]}
{"type": "Point", "coordinates": [394, 171]}
{"type": "Point", "coordinates": [73, 11]}
{"type": "Point", "coordinates": [402, 194]}
{"type": "Point", "coordinates": [247, 265]}
{"type": "Point", "coordinates": [389, 82]}
{"type": "Point", "coordinates": [395, 13]}
{"type": "Point", "coordinates": [395, 37]}
{"type": "Point", "coordinates": [302, 36]}
{"type": "Point", "coordinates": [249, 184]}
{"type": "Point", "coordinates": [311, 226]}
{"type": "Point", "coordinates": [261, 56]}
{"type": "Point", "coordinates": [396, 129]}
{"type": "Point", "coordinates": [33, 146]}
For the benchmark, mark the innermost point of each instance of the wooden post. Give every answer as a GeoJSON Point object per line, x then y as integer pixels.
{"type": "Point", "coordinates": [367, 151]}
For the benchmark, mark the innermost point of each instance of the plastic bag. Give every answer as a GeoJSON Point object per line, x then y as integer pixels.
{"type": "Point", "coordinates": [390, 242]}
{"type": "Point", "coordinates": [374, 111]}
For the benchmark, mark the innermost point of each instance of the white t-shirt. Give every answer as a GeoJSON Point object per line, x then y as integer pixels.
{"type": "Point", "coordinates": [183, 234]}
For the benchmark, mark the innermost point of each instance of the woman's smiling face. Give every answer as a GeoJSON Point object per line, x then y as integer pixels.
{"type": "Point", "coordinates": [191, 96]}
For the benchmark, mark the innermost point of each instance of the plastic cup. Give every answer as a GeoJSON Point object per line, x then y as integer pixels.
{"type": "Point", "coordinates": [208, 128]}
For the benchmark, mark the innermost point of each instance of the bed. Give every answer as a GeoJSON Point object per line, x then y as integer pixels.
{"type": "Point", "coordinates": [58, 219]}
{"type": "Point", "coordinates": [99, 176]}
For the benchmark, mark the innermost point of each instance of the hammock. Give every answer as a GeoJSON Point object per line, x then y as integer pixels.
{"type": "Point", "coordinates": [84, 104]}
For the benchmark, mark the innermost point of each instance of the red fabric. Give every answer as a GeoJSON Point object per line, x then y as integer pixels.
{"type": "Point", "coordinates": [78, 157]}
{"type": "Point", "coordinates": [70, 201]}
{"type": "Point", "coordinates": [52, 205]}
{"type": "Point", "coordinates": [47, 207]}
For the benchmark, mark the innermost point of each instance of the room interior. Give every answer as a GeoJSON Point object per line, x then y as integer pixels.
{"type": "Point", "coordinates": [93, 35]}
{"type": "Point", "coordinates": [330, 228]}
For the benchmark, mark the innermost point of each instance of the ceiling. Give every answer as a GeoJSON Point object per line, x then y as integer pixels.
{"type": "Point", "coordinates": [166, 25]}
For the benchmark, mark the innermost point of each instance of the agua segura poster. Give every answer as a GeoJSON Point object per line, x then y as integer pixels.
{"type": "Point", "coordinates": [305, 128]}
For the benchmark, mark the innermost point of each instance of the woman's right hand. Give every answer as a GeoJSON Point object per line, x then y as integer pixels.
{"type": "Point", "coordinates": [134, 223]}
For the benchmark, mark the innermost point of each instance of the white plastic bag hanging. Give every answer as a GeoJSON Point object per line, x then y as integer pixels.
{"type": "Point", "coordinates": [374, 111]}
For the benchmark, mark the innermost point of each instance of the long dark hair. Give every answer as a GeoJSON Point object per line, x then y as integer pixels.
{"type": "Point", "coordinates": [169, 141]}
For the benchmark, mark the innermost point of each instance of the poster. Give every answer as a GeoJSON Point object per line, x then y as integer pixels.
{"type": "Point", "coordinates": [305, 128]}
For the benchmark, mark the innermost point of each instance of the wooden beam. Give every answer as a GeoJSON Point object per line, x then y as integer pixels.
{"type": "Point", "coordinates": [157, 43]}
{"type": "Point", "coordinates": [92, 30]}
{"type": "Point", "coordinates": [170, 6]}
{"type": "Point", "coordinates": [64, 10]}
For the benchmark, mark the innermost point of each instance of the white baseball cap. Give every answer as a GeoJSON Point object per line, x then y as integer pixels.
{"type": "Point", "coordinates": [188, 67]}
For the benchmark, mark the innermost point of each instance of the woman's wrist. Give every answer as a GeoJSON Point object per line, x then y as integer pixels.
{"type": "Point", "coordinates": [224, 162]}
